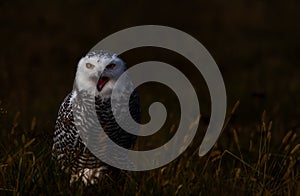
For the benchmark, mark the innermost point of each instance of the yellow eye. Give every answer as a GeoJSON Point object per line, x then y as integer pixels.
{"type": "Point", "coordinates": [89, 66]}
{"type": "Point", "coordinates": [110, 66]}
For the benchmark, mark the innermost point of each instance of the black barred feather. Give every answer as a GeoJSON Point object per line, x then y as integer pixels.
{"type": "Point", "coordinates": [68, 147]}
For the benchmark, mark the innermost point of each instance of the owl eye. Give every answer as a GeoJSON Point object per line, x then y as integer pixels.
{"type": "Point", "coordinates": [89, 66]}
{"type": "Point", "coordinates": [110, 66]}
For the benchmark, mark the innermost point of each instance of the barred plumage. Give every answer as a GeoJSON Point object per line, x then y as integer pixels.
{"type": "Point", "coordinates": [68, 147]}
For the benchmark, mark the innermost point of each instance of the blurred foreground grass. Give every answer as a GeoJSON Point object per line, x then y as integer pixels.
{"type": "Point", "coordinates": [250, 163]}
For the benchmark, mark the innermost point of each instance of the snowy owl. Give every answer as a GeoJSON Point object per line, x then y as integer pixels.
{"type": "Point", "coordinates": [96, 75]}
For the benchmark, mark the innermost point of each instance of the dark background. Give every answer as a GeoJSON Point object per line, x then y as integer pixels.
{"type": "Point", "coordinates": [255, 44]}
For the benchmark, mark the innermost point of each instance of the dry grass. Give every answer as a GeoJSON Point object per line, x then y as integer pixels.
{"type": "Point", "coordinates": [252, 164]}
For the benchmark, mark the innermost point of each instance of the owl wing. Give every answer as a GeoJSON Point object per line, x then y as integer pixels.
{"type": "Point", "coordinates": [66, 137]}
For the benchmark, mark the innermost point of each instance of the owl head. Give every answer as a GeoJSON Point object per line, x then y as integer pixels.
{"type": "Point", "coordinates": [98, 71]}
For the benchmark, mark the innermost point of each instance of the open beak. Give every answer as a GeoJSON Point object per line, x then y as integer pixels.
{"type": "Point", "coordinates": [101, 82]}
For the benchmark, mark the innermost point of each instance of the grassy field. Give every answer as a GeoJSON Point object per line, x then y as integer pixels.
{"type": "Point", "coordinates": [251, 164]}
{"type": "Point", "coordinates": [255, 44]}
